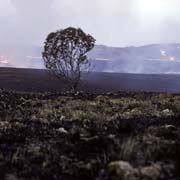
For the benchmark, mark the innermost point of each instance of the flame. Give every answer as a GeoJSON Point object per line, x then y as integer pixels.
{"type": "Point", "coordinates": [172, 58]}
{"type": "Point", "coordinates": [165, 54]}
{"type": "Point", "coordinates": [3, 60]}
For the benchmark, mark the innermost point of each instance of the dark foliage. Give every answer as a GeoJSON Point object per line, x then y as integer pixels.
{"type": "Point", "coordinates": [65, 54]}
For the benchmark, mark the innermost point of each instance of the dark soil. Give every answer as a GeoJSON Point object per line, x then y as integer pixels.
{"type": "Point", "coordinates": [39, 80]}
{"type": "Point", "coordinates": [88, 137]}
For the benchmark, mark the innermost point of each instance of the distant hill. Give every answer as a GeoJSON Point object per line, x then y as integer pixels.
{"type": "Point", "coordinates": [154, 58]}
{"type": "Point", "coordinates": [154, 51]}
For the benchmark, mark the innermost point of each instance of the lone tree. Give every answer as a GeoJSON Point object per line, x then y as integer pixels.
{"type": "Point", "coordinates": [65, 54]}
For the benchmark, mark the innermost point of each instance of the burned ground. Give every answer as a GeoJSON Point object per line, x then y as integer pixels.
{"type": "Point", "coordinates": [39, 80]}
{"type": "Point", "coordinates": [86, 136]}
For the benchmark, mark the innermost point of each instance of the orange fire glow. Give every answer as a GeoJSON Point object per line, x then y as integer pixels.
{"type": "Point", "coordinates": [165, 54]}
{"type": "Point", "coordinates": [3, 60]}
{"type": "Point", "coordinates": [172, 58]}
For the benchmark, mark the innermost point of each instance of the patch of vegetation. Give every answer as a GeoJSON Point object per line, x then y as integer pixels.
{"type": "Point", "coordinates": [84, 136]}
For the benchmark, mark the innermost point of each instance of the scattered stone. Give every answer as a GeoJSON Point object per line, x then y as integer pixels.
{"type": "Point", "coordinates": [167, 112]}
{"type": "Point", "coordinates": [123, 170]}
{"type": "Point", "coordinates": [46, 143]}
{"type": "Point", "coordinates": [169, 127]}
{"type": "Point", "coordinates": [102, 99]}
{"type": "Point", "coordinates": [152, 172]}
{"type": "Point", "coordinates": [109, 94]}
{"type": "Point", "coordinates": [62, 130]}
{"type": "Point", "coordinates": [11, 177]}
{"type": "Point", "coordinates": [62, 118]}
{"type": "Point", "coordinates": [111, 136]}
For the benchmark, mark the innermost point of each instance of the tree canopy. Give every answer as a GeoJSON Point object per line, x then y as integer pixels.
{"type": "Point", "coordinates": [65, 54]}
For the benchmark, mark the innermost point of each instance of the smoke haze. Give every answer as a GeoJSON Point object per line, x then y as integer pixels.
{"type": "Point", "coordinates": [114, 23]}
{"type": "Point", "coordinates": [26, 23]}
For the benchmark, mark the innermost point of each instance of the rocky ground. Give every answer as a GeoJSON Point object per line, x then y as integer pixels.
{"type": "Point", "coordinates": [128, 136]}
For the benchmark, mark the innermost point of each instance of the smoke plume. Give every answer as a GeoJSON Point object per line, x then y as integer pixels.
{"type": "Point", "coordinates": [33, 19]}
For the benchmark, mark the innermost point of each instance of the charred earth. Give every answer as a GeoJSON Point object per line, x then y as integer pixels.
{"type": "Point", "coordinates": [52, 136]}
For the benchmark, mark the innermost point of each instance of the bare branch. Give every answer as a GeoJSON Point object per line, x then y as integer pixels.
{"type": "Point", "coordinates": [65, 54]}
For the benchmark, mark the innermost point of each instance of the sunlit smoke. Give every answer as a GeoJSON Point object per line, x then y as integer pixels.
{"type": "Point", "coordinates": [33, 57]}
{"type": "Point", "coordinates": [163, 53]}
{"type": "Point", "coordinates": [34, 19]}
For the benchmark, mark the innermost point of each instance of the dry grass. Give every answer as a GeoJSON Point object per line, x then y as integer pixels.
{"type": "Point", "coordinates": [51, 136]}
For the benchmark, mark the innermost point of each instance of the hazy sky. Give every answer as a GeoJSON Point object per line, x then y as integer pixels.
{"type": "Point", "coordinates": [111, 22]}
